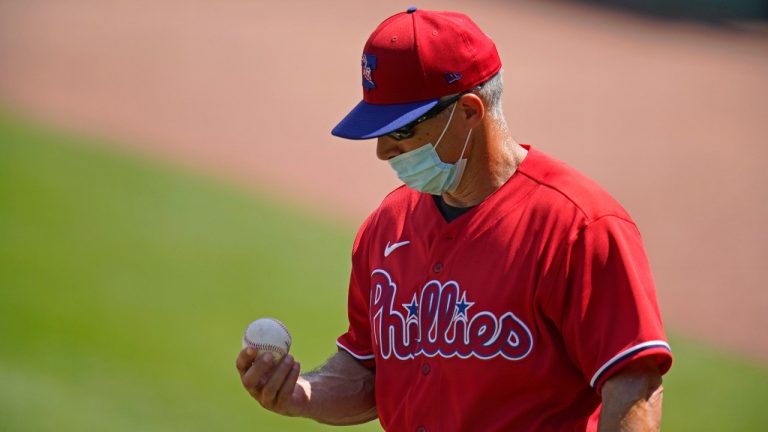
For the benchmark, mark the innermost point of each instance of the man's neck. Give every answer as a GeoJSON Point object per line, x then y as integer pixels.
{"type": "Point", "coordinates": [488, 168]}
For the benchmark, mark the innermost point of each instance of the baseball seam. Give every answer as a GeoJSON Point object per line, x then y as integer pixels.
{"type": "Point", "coordinates": [265, 347]}
{"type": "Point", "coordinates": [285, 329]}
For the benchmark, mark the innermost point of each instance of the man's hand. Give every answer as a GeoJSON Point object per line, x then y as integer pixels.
{"type": "Point", "coordinates": [341, 392]}
{"type": "Point", "coordinates": [632, 399]}
{"type": "Point", "coordinates": [275, 386]}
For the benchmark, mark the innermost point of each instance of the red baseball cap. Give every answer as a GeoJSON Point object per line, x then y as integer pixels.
{"type": "Point", "coordinates": [410, 61]}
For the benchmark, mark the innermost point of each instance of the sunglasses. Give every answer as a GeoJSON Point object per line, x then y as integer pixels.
{"type": "Point", "coordinates": [407, 131]}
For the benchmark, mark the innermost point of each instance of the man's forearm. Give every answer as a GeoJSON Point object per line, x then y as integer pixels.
{"type": "Point", "coordinates": [632, 401]}
{"type": "Point", "coordinates": [341, 392]}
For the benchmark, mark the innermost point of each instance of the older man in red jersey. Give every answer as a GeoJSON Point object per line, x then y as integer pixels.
{"type": "Point", "coordinates": [498, 289]}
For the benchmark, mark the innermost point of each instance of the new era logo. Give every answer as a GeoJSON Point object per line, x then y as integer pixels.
{"type": "Point", "coordinates": [452, 77]}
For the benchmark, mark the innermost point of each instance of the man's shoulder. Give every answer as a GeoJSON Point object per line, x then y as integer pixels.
{"type": "Point", "coordinates": [562, 186]}
{"type": "Point", "coordinates": [400, 201]}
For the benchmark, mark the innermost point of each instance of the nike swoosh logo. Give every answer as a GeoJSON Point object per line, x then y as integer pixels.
{"type": "Point", "coordinates": [391, 248]}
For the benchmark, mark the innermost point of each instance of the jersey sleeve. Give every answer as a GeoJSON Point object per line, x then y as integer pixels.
{"type": "Point", "coordinates": [357, 339]}
{"type": "Point", "coordinates": [607, 313]}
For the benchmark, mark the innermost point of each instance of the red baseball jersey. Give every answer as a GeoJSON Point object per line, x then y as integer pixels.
{"type": "Point", "coordinates": [511, 316]}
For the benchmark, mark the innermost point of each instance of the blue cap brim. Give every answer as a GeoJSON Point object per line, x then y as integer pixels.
{"type": "Point", "coordinates": [370, 121]}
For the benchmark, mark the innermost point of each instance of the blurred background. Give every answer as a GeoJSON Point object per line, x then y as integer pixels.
{"type": "Point", "coordinates": [167, 175]}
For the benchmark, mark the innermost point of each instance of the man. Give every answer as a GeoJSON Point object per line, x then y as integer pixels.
{"type": "Point", "coordinates": [499, 289]}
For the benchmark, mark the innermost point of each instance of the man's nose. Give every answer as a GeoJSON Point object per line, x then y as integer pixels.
{"type": "Point", "coordinates": [386, 148]}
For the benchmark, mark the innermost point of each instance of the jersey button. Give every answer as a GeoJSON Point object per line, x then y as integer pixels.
{"type": "Point", "coordinates": [437, 268]}
{"type": "Point", "coordinates": [425, 368]}
{"type": "Point", "coordinates": [421, 429]}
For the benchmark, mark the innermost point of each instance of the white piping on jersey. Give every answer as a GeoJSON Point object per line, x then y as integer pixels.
{"type": "Point", "coordinates": [625, 353]}
{"type": "Point", "coordinates": [349, 351]}
{"type": "Point", "coordinates": [389, 249]}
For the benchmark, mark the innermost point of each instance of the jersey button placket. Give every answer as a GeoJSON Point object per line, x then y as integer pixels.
{"type": "Point", "coordinates": [438, 266]}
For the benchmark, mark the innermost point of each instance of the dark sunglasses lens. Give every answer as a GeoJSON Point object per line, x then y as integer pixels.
{"type": "Point", "coordinates": [402, 133]}
{"type": "Point", "coordinates": [406, 131]}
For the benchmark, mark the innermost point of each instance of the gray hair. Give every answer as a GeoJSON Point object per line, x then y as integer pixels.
{"type": "Point", "coordinates": [490, 93]}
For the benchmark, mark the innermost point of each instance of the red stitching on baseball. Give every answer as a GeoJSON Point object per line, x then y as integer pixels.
{"type": "Point", "coordinates": [265, 347]}
{"type": "Point", "coordinates": [285, 329]}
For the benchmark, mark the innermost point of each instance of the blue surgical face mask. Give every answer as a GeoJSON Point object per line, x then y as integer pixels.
{"type": "Point", "coordinates": [422, 169]}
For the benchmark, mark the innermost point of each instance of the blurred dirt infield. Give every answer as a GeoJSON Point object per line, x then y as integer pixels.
{"type": "Point", "coordinates": [670, 117]}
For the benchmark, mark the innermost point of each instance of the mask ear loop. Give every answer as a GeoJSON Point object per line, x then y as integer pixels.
{"type": "Point", "coordinates": [460, 165]}
{"type": "Point", "coordinates": [465, 144]}
{"type": "Point", "coordinates": [446, 125]}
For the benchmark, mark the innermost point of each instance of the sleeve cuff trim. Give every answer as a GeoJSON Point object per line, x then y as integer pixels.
{"type": "Point", "coordinates": [627, 353]}
{"type": "Point", "coordinates": [352, 353]}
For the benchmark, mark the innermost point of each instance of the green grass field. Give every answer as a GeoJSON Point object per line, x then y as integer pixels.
{"type": "Point", "coordinates": [125, 285]}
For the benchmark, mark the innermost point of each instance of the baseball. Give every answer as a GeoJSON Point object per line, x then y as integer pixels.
{"type": "Point", "coordinates": [268, 334]}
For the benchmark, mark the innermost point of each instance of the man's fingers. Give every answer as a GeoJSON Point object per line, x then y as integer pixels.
{"type": "Point", "coordinates": [253, 376]}
{"type": "Point", "coordinates": [269, 383]}
{"type": "Point", "coordinates": [275, 382]}
{"type": "Point", "coordinates": [286, 391]}
{"type": "Point", "coordinates": [245, 359]}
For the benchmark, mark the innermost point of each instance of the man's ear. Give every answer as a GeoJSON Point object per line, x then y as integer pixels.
{"type": "Point", "coordinates": [472, 108]}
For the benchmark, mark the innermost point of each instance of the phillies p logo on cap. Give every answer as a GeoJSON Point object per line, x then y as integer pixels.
{"type": "Point", "coordinates": [369, 65]}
